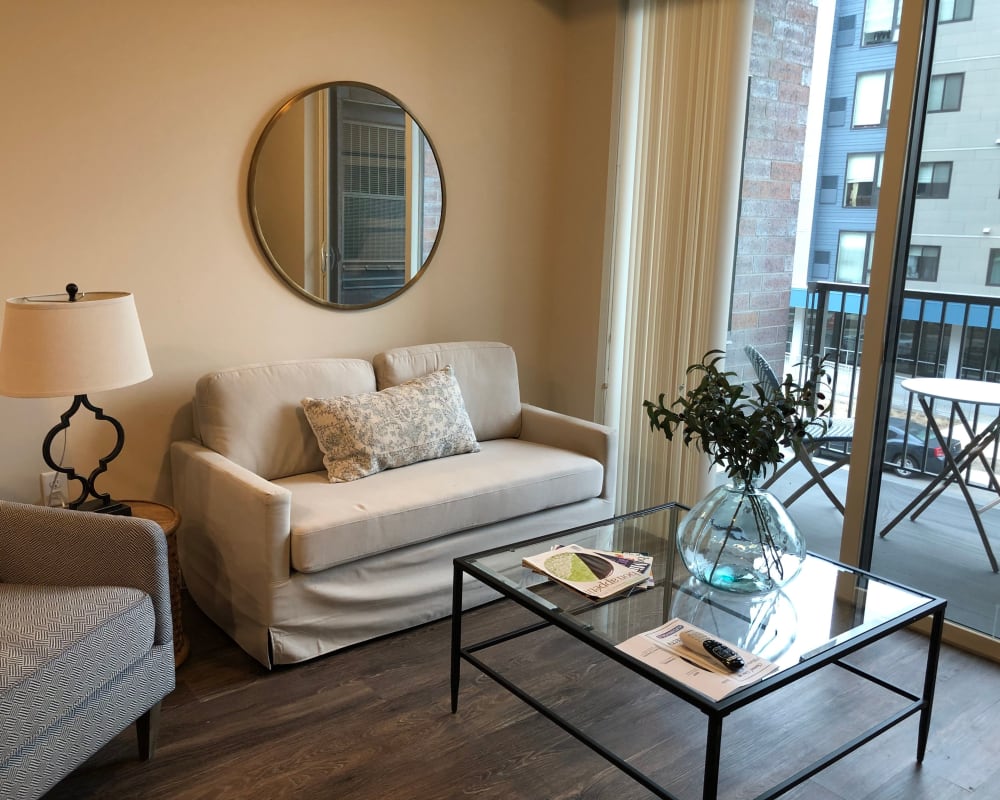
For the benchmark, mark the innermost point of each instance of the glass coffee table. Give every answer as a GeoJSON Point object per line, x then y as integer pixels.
{"type": "Point", "coordinates": [827, 612]}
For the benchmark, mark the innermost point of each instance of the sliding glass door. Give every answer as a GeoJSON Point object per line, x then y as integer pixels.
{"type": "Point", "coordinates": [869, 236]}
{"type": "Point", "coordinates": [937, 527]}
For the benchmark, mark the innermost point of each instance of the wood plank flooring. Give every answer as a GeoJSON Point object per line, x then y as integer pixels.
{"type": "Point", "coordinates": [374, 722]}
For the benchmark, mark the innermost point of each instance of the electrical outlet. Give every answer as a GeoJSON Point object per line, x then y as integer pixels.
{"type": "Point", "coordinates": [54, 488]}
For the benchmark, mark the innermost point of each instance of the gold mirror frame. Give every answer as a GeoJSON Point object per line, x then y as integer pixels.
{"type": "Point", "coordinates": [323, 228]}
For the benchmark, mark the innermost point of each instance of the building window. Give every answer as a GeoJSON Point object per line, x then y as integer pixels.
{"type": "Point", "coordinates": [993, 268]}
{"type": "Point", "coordinates": [836, 114]}
{"type": "Point", "coordinates": [881, 22]}
{"type": "Point", "coordinates": [828, 189]}
{"type": "Point", "coordinates": [863, 180]}
{"type": "Point", "coordinates": [854, 256]}
{"type": "Point", "coordinates": [945, 93]}
{"type": "Point", "coordinates": [821, 266]}
{"type": "Point", "coordinates": [934, 179]}
{"type": "Point", "coordinates": [954, 10]}
{"type": "Point", "coordinates": [871, 99]}
{"type": "Point", "coordinates": [922, 262]}
{"type": "Point", "coordinates": [845, 30]}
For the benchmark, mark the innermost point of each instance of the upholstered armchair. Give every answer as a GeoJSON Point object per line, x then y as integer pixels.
{"type": "Point", "coordinates": [85, 639]}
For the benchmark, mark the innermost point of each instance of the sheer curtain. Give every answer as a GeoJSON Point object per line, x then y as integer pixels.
{"type": "Point", "coordinates": [683, 94]}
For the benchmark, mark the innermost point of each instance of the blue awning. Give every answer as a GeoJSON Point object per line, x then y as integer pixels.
{"type": "Point", "coordinates": [951, 312]}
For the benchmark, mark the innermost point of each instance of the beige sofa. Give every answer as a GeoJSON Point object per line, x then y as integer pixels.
{"type": "Point", "coordinates": [292, 566]}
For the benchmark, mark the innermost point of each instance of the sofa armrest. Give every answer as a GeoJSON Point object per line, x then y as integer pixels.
{"type": "Point", "coordinates": [244, 519]}
{"type": "Point", "coordinates": [59, 547]}
{"type": "Point", "coordinates": [572, 433]}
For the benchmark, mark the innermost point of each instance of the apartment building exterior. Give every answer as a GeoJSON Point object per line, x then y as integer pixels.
{"type": "Point", "coordinates": [950, 326]}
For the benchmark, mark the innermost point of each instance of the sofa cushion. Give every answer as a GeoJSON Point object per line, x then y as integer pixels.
{"type": "Point", "coordinates": [52, 638]}
{"type": "Point", "coordinates": [416, 420]}
{"type": "Point", "coordinates": [252, 415]}
{"type": "Point", "coordinates": [486, 371]}
{"type": "Point", "coordinates": [342, 522]}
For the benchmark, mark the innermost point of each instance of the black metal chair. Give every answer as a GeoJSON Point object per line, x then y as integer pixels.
{"type": "Point", "coordinates": [836, 436]}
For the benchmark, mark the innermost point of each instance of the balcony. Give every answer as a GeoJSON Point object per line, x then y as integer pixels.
{"type": "Point", "coordinates": [942, 335]}
{"type": "Point", "coordinates": [914, 553]}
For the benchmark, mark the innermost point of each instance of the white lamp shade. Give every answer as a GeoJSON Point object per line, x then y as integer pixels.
{"type": "Point", "coordinates": [54, 347]}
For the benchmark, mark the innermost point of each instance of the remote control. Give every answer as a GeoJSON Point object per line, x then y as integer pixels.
{"type": "Point", "coordinates": [724, 655]}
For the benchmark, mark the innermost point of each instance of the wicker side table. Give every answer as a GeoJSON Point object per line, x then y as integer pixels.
{"type": "Point", "coordinates": [169, 519]}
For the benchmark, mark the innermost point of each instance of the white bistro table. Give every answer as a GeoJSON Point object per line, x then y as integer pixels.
{"type": "Point", "coordinates": [957, 391]}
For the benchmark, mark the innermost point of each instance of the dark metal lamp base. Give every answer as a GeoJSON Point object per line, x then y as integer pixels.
{"type": "Point", "coordinates": [99, 507]}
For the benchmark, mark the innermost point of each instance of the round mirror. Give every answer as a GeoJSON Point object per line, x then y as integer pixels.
{"type": "Point", "coordinates": [346, 195]}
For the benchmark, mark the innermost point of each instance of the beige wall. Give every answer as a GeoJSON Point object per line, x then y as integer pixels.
{"type": "Point", "coordinates": [579, 202]}
{"type": "Point", "coordinates": [128, 128]}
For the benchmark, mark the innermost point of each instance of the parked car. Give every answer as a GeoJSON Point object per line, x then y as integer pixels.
{"type": "Point", "coordinates": [902, 456]}
{"type": "Point", "coordinates": [904, 448]}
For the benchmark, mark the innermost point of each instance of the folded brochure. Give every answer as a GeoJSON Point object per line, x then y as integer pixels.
{"type": "Point", "coordinates": [595, 573]}
{"type": "Point", "coordinates": [662, 648]}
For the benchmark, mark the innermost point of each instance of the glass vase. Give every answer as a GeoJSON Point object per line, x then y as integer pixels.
{"type": "Point", "coordinates": [740, 539]}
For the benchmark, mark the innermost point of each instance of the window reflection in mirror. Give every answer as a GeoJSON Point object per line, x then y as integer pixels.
{"type": "Point", "coordinates": [346, 195]}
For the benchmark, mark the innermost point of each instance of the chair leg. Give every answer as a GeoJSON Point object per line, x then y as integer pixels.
{"type": "Point", "coordinates": [818, 480]}
{"type": "Point", "coordinates": [780, 471]}
{"type": "Point", "coordinates": [147, 727]}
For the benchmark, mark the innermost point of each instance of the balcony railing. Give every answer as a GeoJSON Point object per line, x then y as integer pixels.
{"type": "Point", "coordinates": [941, 335]}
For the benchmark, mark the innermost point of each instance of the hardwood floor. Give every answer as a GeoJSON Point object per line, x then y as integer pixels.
{"type": "Point", "coordinates": [374, 722]}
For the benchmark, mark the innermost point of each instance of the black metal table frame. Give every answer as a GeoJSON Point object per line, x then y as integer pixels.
{"type": "Point", "coordinates": [954, 466]}
{"type": "Point", "coordinates": [715, 711]}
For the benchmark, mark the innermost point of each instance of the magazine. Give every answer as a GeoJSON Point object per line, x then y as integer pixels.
{"type": "Point", "coordinates": [662, 648]}
{"type": "Point", "coordinates": [595, 573]}
{"type": "Point", "coordinates": [639, 563]}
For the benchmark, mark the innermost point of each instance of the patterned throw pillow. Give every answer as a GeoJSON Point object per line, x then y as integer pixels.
{"type": "Point", "coordinates": [417, 420]}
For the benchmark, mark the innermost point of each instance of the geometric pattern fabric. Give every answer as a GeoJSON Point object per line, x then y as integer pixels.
{"type": "Point", "coordinates": [51, 635]}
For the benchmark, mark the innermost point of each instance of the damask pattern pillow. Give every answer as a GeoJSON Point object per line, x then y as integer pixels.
{"type": "Point", "coordinates": [417, 420]}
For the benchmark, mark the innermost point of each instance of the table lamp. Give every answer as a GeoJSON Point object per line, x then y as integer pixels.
{"type": "Point", "coordinates": [69, 346]}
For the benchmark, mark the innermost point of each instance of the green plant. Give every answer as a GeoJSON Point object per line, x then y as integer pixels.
{"type": "Point", "coordinates": [742, 432]}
